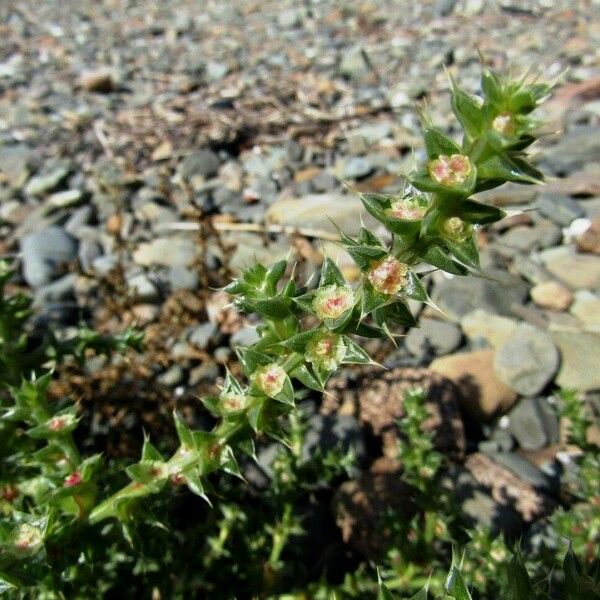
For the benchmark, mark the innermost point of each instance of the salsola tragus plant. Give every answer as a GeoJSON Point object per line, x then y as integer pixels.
{"type": "Point", "coordinates": [50, 492]}
{"type": "Point", "coordinates": [305, 334]}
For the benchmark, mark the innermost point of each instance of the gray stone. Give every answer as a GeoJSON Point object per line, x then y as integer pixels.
{"type": "Point", "coordinates": [579, 271]}
{"type": "Point", "coordinates": [523, 469]}
{"type": "Point", "coordinates": [46, 182]}
{"type": "Point", "coordinates": [459, 296]}
{"type": "Point", "coordinates": [533, 423]}
{"type": "Point", "coordinates": [579, 352]}
{"type": "Point", "coordinates": [45, 252]}
{"type": "Point", "coordinates": [353, 63]}
{"type": "Point", "coordinates": [482, 325]}
{"type": "Point", "coordinates": [355, 167]}
{"type": "Point", "coordinates": [527, 361]}
{"type": "Point", "coordinates": [203, 335]}
{"type": "Point", "coordinates": [215, 71]}
{"type": "Point", "coordinates": [104, 264]}
{"type": "Point", "coordinates": [143, 288]}
{"type": "Point", "coordinates": [561, 210]}
{"type": "Point", "coordinates": [80, 217]}
{"type": "Point", "coordinates": [531, 270]}
{"type": "Point", "coordinates": [443, 8]}
{"type": "Point", "coordinates": [324, 182]}
{"type": "Point", "coordinates": [294, 150]}
{"type": "Point", "coordinates": [246, 336]}
{"type": "Point", "coordinates": [15, 163]}
{"type": "Point", "coordinates": [183, 278]}
{"type": "Point", "coordinates": [204, 162]}
{"type": "Point", "coordinates": [56, 291]}
{"type": "Point", "coordinates": [171, 377]}
{"type": "Point", "coordinates": [89, 251]}
{"type": "Point", "coordinates": [328, 432]}
{"type": "Point", "coordinates": [433, 337]}
{"type": "Point", "coordinates": [574, 150]}
{"type": "Point", "coordinates": [290, 17]}
{"type": "Point", "coordinates": [168, 252]}
{"type": "Point", "coordinates": [207, 371]}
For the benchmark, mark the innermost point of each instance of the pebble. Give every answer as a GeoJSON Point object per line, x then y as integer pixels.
{"type": "Point", "coordinates": [587, 309]}
{"type": "Point", "coordinates": [46, 182]}
{"type": "Point", "coordinates": [527, 361]}
{"type": "Point", "coordinates": [483, 395]}
{"type": "Point", "coordinates": [578, 271]}
{"type": "Point", "coordinates": [433, 337]}
{"type": "Point", "coordinates": [495, 330]}
{"type": "Point", "coordinates": [533, 423]}
{"type": "Point", "coordinates": [328, 432]}
{"type": "Point", "coordinates": [204, 163]}
{"type": "Point", "coordinates": [552, 295]}
{"type": "Point", "coordinates": [203, 335]}
{"type": "Point", "coordinates": [45, 252]}
{"type": "Point", "coordinates": [167, 252]}
{"type": "Point", "coordinates": [561, 210]}
{"type": "Point", "coordinates": [579, 351]}
{"type": "Point", "coordinates": [99, 80]}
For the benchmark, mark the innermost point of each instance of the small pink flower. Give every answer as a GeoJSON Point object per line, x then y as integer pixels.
{"type": "Point", "coordinates": [450, 170]}
{"type": "Point", "coordinates": [58, 423]}
{"type": "Point", "coordinates": [178, 479]}
{"type": "Point", "coordinates": [388, 276]}
{"type": "Point", "coordinates": [28, 538]}
{"type": "Point", "coordinates": [269, 379]}
{"type": "Point", "coordinates": [326, 351]}
{"type": "Point", "coordinates": [407, 210]}
{"type": "Point", "coordinates": [73, 479]}
{"type": "Point", "coordinates": [504, 124]}
{"type": "Point", "coordinates": [233, 402]}
{"type": "Point", "coordinates": [332, 301]}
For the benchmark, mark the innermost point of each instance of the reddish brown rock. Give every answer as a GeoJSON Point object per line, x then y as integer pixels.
{"type": "Point", "coordinates": [508, 489]}
{"type": "Point", "coordinates": [378, 397]}
{"type": "Point", "coordinates": [589, 240]}
{"type": "Point", "coordinates": [361, 507]}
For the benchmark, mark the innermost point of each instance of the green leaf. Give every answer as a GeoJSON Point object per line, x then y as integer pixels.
{"type": "Point", "coordinates": [491, 86]}
{"type": "Point", "coordinates": [355, 354]}
{"type": "Point", "coordinates": [436, 256]}
{"type": "Point", "coordinates": [149, 452]}
{"type": "Point", "coordinates": [273, 308]}
{"type": "Point", "coordinates": [477, 212]}
{"type": "Point", "coordinates": [397, 313]}
{"type": "Point", "coordinates": [422, 181]}
{"type": "Point", "coordinates": [287, 393]}
{"type": "Point", "coordinates": [519, 584]}
{"type": "Point", "coordinates": [184, 433]}
{"type": "Point", "coordinates": [437, 143]}
{"type": "Point", "coordinates": [377, 206]}
{"type": "Point", "coordinates": [572, 570]}
{"type": "Point", "coordinates": [229, 463]}
{"type": "Point", "coordinates": [501, 167]}
{"type": "Point", "coordinates": [151, 473]}
{"type": "Point", "coordinates": [383, 593]}
{"type": "Point", "coordinates": [468, 111]}
{"type": "Point", "coordinates": [420, 595]}
{"type": "Point", "coordinates": [466, 252]}
{"type": "Point", "coordinates": [305, 377]}
{"type": "Point", "coordinates": [274, 273]}
{"type": "Point", "coordinates": [455, 585]}
{"type": "Point", "coordinates": [231, 385]}
{"type": "Point", "coordinates": [415, 289]}
{"type": "Point", "coordinates": [331, 274]}
{"type": "Point", "coordinates": [372, 299]}
{"type": "Point", "coordinates": [298, 342]}
{"type": "Point", "coordinates": [250, 359]}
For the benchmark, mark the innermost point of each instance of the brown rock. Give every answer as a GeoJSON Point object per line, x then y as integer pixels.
{"type": "Point", "coordinates": [552, 295]}
{"type": "Point", "coordinates": [482, 394]}
{"type": "Point", "coordinates": [100, 80]}
{"type": "Point", "coordinates": [378, 398]}
{"type": "Point", "coordinates": [361, 507]}
{"type": "Point", "coordinates": [508, 489]}
{"type": "Point", "coordinates": [589, 241]}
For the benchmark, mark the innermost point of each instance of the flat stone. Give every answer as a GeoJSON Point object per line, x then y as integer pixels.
{"type": "Point", "coordinates": [587, 309]}
{"type": "Point", "coordinates": [552, 295]}
{"type": "Point", "coordinates": [432, 337]}
{"type": "Point", "coordinates": [326, 432]}
{"type": "Point", "coordinates": [143, 288]}
{"type": "Point", "coordinates": [167, 252]}
{"type": "Point", "coordinates": [561, 210]}
{"type": "Point", "coordinates": [15, 163]}
{"type": "Point", "coordinates": [46, 182]}
{"type": "Point", "coordinates": [579, 360]}
{"type": "Point", "coordinates": [527, 361]}
{"type": "Point", "coordinates": [494, 329]}
{"type": "Point", "coordinates": [483, 395]}
{"type": "Point", "coordinates": [204, 163]}
{"type": "Point", "coordinates": [459, 296]}
{"type": "Point", "coordinates": [578, 271]}
{"type": "Point", "coordinates": [319, 210]}
{"type": "Point", "coordinates": [45, 252]}
{"type": "Point", "coordinates": [203, 335]}
{"type": "Point", "coordinates": [574, 150]}
{"type": "Point", "coordinates": [533, 424]}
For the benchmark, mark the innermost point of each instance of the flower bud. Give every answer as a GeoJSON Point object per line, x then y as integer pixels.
{"type": "Point", "coordinates": [269, 379]}
{"type": "Point", "coordinates": [73, 479]}
{"type": "Point", "coordinates": [231, 403]}
{"type": "Point", "coordinates": [450, 170]}
{"type": "Point", "coordinates": [332, 301]}
{"type": "Point", "coordinates": [455, 228]}
{"type": "Point", "coordinates": [178, 479]}
{"type": "Point", "coordinates": [407, 210]}
{"type": "Point", "coordinates": [60, 422]}
{"type": "Point", "coordinates": [326, 351]}
{"type": "Point", "coordinates": [28, 538]}
{"type": "Point", "coordinates": [388, 276]}
{"type": "Point", "coordinates": [504, 124]}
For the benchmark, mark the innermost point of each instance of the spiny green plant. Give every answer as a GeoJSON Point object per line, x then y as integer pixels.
{"type": "Point", "coordinates": [306, 333]}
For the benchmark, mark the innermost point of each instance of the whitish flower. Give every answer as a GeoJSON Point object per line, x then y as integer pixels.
{"type": "Point", "coordinates": [28, 538]}
{"type": "Point", "coordinates": [450, 170]}
{"type": "Point", "coordinates": [233, 402]}
{"type": "Point", "coordinates": [269, 379]}
{"type": "Point", "coordinates": [73, 479]}
{"type": "Point", "coordinates": [388, 276]}
{"type": "Point", "coordinates": [59, 423]}
{"type": "Point", "coordinates": [332, 301]}
{"type": "Point", "coordinates": [455, 228]}
{"type": "Point", "coordinates": [326, 351]}
{"type": "Point", "coordinates": [407, 210]}
{"type": "Point", "coordinates": [504, 124]}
